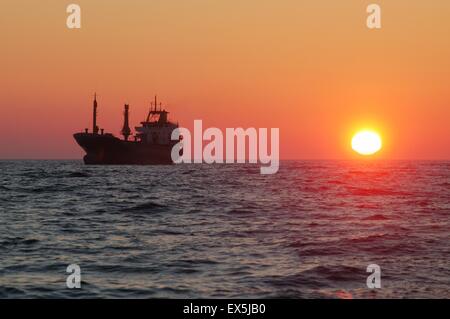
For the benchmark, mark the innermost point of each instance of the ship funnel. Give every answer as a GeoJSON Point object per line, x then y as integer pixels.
{"type": "Point", "coordinates": [126, 132]}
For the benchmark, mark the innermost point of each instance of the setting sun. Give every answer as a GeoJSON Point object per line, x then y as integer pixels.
{"type": "Point", "coordinates": [366, 142]}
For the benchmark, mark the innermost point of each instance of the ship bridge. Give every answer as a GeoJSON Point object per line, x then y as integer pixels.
{"type": "Point", "coordinates": [156, 129]}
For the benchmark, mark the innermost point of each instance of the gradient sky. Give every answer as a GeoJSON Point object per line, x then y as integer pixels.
{"type": "Point", "coordinates": [309, 67]}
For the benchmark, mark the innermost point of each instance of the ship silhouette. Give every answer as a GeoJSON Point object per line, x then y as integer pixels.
{"type": "Point", "coordinates": [151, 145]}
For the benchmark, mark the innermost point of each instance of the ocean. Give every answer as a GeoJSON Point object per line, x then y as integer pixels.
{"type": "Point", "coordinates": [225, 231]}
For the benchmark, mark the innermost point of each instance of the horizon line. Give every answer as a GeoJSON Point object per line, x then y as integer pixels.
{"type": "Point", "coordinates": [281, 159]}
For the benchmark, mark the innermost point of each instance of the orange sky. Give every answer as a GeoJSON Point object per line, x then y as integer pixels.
{"type": "Point", "coordinates": [309, 67]}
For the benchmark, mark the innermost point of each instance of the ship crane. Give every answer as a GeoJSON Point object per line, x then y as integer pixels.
{"type": "Point", "coordinates": [126, 131]}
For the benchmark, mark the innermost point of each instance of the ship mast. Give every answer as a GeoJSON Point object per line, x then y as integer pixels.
{"type": "Point", "coordinates": [152, 110]}
{"type": "Point", "coordinates": [94, 115]}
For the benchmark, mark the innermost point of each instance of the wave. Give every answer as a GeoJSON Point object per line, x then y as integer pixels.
{"type": "Point", "coordinates": [320, 277]}
{"type": "Point", "coordinates": [11, 292]}
{"type": "Point", "coordinates": [376, 217]}
{"type": "Point", "coordinates": [15, 241]}
{"type": "Point", "coordinates": [368, 238]}
{"type": "Point", "coordinates": [148, 207]}
{"type": "Point", "coordinates": [241, 212]}
{"type": "Point", "coordinates": [78, 174]}
{"type": "Point", "coordinates": [375, 192]}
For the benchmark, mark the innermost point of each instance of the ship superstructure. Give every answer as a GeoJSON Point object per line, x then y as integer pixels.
{"type": "Point", "coordinates": [156, 129]}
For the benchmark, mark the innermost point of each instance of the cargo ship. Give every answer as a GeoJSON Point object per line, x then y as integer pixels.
{"type": "Point", "coordinates": [151, 145]}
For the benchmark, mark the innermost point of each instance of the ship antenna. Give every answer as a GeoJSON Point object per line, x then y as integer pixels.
{"type": "Point", "coordinates": [156, 103]}
{"type": "Point", "coordinates": [149, 112]}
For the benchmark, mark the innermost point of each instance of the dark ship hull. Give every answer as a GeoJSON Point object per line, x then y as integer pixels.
{"type": "Point", "coordinates": [106, 149]}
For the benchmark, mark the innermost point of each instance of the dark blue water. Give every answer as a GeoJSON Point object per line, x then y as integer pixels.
{"type": "Point", "coordinates": [225, 231]}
